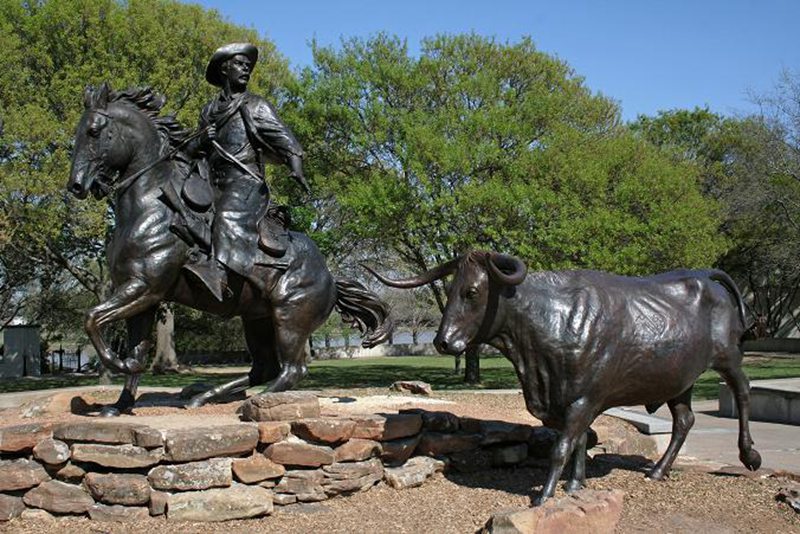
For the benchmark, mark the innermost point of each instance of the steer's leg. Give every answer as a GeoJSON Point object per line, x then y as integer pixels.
{"type": "Point", "coordinates": [578, 418]}
{"type": "Point", "coordinates": [682, 420]}
{"type": "Point", "coordinates": [740, 387]}
{"type": "Point", "coordinates": [578, 476]}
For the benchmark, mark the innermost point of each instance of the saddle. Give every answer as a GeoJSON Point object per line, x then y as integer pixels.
{"type": "Point", "coordinates": [193, 216]}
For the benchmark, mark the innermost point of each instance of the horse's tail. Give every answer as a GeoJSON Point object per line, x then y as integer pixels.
{"type": "Point", "coordinates": [362, 309]}
{"type": "Point", "coordinates": [727, 282]}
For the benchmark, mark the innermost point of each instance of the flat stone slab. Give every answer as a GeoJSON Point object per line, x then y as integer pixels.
{"type": "Point", "coordinates": [118, 513]}
{"type": "Point", "coordinates": [647, 424]}
{"type": "Point", "coordinates": [284, 406]}
{"type": "Point", "coordinates": [200, 443]}
{"type": "Point", "coordinates": [212, 473]}
{"type": "Point", "coordinates": [413, 473]}
{"type": "Point", "coordinates": [20, 438]}
{"type": "Point", "coordinates": [21, 474]}
{"type": "Point", "coordinates": [59, 497]}
{"type": "Point", "coordinates": [595, 511]}
{"type": "Point", "coordinates": [256, 468]}
{"type": "Point", "coordinates": [109, 433]}
{"type": "Point", "coordinates": [237, 502]}
{"type": "Point", "coordinates": [123, 489]}
{"type": "Point", "coordinates": [387, 427]}
{"type": "Point", "coordinates": [10, 507]}
{"type": "Point", "coordinates": [120, 456]}
{"type": "Point", "coordinates": [294, 451]}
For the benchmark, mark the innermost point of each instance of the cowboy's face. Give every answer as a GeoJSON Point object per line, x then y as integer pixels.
{"type": "Point", "coordinates": [236, 72]}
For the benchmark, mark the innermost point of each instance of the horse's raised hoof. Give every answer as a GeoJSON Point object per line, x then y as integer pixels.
{"type": "Point", "coordinates": [751, 459]}
{"type": "Point", "coordinates": [196, 401]}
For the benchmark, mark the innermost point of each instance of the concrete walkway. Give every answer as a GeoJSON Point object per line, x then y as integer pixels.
{"type": "Point", "coordinates": [714, 438]}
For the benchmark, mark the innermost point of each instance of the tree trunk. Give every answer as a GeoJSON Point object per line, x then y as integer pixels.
{"type": "Point", "coordinates": [105, 376]}
{"type": "Point", "coordinates": [457, 365]}
{"type": "Point", "coordinates": [166, 359]}
{"type": "Point", "coordinates": [472, 371]}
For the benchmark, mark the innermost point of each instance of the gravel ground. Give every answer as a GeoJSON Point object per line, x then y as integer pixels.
{"type": "Point", "coordinates": [689, 502]}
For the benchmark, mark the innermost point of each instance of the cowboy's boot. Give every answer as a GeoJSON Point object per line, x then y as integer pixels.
{"type": "Point", "coordinates": [273, 236]}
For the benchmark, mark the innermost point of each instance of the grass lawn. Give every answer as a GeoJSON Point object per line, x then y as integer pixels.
{"type": "Point", "coordinates": [496, 373]}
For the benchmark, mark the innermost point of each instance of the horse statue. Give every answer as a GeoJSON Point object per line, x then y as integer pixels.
{"type": "Point", "coordinates": [125, 150]}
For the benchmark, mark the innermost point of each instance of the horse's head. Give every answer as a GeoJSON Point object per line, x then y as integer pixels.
{"type": "Point", "coordinates": [111, 135]}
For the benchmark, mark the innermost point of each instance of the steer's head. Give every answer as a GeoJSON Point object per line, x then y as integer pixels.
{"type": "Point", "coordinates": [473, 298]}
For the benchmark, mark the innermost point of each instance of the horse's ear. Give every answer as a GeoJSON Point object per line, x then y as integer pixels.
{"type": "Point", "coordinates": [101, 96]}
{"type": "Point", "coordinates": [88, 97]}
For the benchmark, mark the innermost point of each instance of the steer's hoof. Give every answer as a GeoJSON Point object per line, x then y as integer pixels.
{"type": "Point", "coordinates": [573, 485]}
{"type": "Point", "coordinates": [751, 459]}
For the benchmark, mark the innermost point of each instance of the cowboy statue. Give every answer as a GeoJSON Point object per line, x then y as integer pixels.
{"type": "Point", "coordinates": [238, 133]}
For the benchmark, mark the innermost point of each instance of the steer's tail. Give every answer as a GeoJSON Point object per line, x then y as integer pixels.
{"type": "Point", "coordinates": [727, 282]}
{"type": "Point", "coordinates": [731, 371]}
{"type": "Point", "coordinates": [362, 309]}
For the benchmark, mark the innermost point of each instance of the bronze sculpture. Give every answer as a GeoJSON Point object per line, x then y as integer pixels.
{"type": "Point", "coordinates": [163, 226]}
{"type": "Point", "coordinates": [585, 341]}
{"type": "Point", "coordinates": [241, 131]}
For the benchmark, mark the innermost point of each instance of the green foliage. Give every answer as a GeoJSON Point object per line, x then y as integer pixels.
{"type": "Point", "coordinates": [481, 144]}
{"type": "Point", "coordinates": [49, 51]}
{"type": "Point", "coordinates": [751, 166]}
{"type": "Point", "coordinates": [200, 332]}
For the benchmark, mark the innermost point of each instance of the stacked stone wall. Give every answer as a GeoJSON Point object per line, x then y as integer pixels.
{"type": "Point", "coordinates": [115, 471]}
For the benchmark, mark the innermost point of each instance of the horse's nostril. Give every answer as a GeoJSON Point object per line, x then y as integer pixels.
{"type": "Point", "coordinates": [76, 188]}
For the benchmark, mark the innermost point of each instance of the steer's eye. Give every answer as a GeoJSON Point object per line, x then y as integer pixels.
{"type": "Point", "coordinates": [472, 293]}
{"type": "Point", "coordinates": [93, 131]}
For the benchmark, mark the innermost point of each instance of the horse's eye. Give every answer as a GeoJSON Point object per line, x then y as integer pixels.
{"type": "Point", "coordinates": [96, 125]}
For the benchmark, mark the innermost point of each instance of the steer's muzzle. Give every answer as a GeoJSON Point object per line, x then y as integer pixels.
{"type": "Point", "coordinates": [445, 344]}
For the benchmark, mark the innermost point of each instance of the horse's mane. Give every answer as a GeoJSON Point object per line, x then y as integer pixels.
{"type": "Point", "coordinates": [171, 132]}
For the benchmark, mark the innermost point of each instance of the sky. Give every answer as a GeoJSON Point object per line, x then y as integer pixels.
{"type": "Point", "coordinates": [648, 55]}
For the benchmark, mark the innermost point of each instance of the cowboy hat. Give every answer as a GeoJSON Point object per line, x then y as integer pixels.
{"type": "Point", "coordinates": [224, 53]}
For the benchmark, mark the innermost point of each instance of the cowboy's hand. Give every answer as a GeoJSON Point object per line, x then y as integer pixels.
{"type": "Point", "coordinates": [209, 135]}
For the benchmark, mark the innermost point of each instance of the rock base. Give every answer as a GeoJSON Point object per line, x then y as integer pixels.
{"type": "Point", "coordinates": [286, 454]}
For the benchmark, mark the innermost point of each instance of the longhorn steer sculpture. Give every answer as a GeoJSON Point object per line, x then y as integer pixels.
{"type": "Point", "coordinates": [585, 341]}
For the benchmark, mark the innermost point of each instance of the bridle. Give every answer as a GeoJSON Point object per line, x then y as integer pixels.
{"type": "Point", "coordinates": [108, 186]}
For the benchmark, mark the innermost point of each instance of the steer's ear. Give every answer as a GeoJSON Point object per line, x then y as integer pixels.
{"type": "Point", "coordinates": [508, 270]}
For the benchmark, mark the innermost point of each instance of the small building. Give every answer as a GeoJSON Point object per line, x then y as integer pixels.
{"type": "Point", "coordinates": [21, 354]}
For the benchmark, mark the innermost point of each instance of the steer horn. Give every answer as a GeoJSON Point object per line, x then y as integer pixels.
{"type": "Point", "coordinates": [506, 269]}
{"type": "Point", "coordinates": [427, 277]}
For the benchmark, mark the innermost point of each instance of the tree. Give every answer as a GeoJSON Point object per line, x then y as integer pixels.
{"type": "Point", "coordinates": [751, 165]}
{"type": "Point", "coordinates": [481, 144]}
{"type": "Point", "coordinates": [49, 51]}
